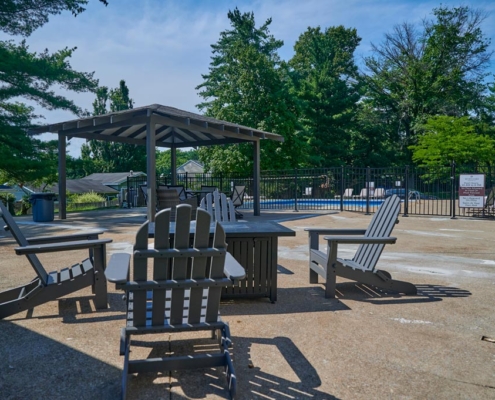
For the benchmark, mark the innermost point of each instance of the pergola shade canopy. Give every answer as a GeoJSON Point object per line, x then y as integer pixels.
{"type": "Point", "coordinates": [173, 128]}
{"type": "Point", "coordinates": [156, 126]}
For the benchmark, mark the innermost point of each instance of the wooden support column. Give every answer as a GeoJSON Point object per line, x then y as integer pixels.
{"type": "Point", "coordinates": [151, 165]}
{"type": "Point", "coordinates": [173, 164]}
{"type": "Point", "coordinates": [256, 177]}
{"type": "Point", "coordinates": [62, 177]}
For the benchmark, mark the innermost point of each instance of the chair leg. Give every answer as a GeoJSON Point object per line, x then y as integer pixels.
{"type": "Point", "coordinates": [331, 283]}
{"type": "Point", "coordinates": [127, 346]}
{"type": "Point", "coordinates": [100, 283]}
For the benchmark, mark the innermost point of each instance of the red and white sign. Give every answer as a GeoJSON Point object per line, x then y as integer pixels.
{"type": "Point", "coordinates": [472, 191]}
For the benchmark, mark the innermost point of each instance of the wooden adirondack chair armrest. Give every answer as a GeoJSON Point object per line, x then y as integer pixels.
{"type": "Point", "coordinates": [65, 246]}
{"type": "Point", "coordinates": [118, 268]}
{"type": "Point", "coordinates": [233, 270]}
{"type": "Point", "coordinates": [65, 238]}
{"type": "Point", "coordinates": [360, 240]}
{"type": "Point", "coordinates": [334, 231]}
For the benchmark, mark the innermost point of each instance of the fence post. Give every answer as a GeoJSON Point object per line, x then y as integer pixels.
{"type": "Point", "coordinates": [342, 186]}
{"type": "Point", "coordinates": [367, 186]}
{"type": "Point", "coordinates": [295, 191]}
{"type": "Point", "coordinates": [406, 192]}
{"type": "Point", "coordinates": [452, 190]}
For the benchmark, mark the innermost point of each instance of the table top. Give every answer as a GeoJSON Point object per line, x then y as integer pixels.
{"type": "Point", "coordinates": [238, 229]}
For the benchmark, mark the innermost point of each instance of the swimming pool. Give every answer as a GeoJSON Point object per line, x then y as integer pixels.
{"type": "Point", "coordinates": [313, 203]}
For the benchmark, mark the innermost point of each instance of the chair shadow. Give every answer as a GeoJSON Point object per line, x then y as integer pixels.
{"type": "Point", "coordinates": [36, 366]}
{"type": "Point", "coordinates": [289, 301]}
{"type": "Point", "coordinates": [297, 377]}
{"type": "Point", "coordinates": [426, 293]}
{"type": "Point", "coordinates": [81, 309]}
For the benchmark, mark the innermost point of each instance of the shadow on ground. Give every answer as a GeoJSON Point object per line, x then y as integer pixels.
{"type": "Point", "coordinates": [25, 369]}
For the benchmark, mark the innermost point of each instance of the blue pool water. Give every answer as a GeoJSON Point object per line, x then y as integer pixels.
{"type": "Point", "coordinates": [316, 202]}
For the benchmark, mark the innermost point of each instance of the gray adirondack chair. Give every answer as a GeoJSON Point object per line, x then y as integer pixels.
{"type": "Point", "coordinates": [183, 294]}
{"type": "Point", "coordinates": [50, 286]}
{"type": "Point", "coordinates": [219, 206]}
{"type": "Point", "coordinates": [362, 267]}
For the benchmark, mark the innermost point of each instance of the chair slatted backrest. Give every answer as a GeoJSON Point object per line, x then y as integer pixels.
{"type": "Point", "coordinates": [180, 190]}
{"type": "Point", "coordinates": [144, 191]}
{"type": "Point", "coordinates": [381, 225]}
{"type": "Point", "coordinates": [22, 241]}
{"type": "Point", "coordinates": [156, 305]}
{"type": "Point", "coordinates": [219, 206]}
{"type": "Point", "coordinates": [238, 195]}
{"type": "Point", "coordinates": [380, 193]}
{"type": "Point", "coordinates": [348, 192]}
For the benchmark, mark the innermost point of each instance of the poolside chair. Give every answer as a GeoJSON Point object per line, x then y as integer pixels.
{"type": "Point", "coordinates": [169, 198]}
{"type": "Point", "coordinates": [362, 267]}
{"type": "Point", "coordinates": [219, 206]}
{"type": "Point", "coordinates": [379, 193]}
{"type": "Point", "coordinates": [50, 286]}
{"type": "Point", "coordinates": [238, 199]}
{"type": "Point", "coordinates": [181, 295]}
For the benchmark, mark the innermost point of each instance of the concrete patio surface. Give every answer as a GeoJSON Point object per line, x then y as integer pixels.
{"type": "Point", "coordinates": [366, 344]}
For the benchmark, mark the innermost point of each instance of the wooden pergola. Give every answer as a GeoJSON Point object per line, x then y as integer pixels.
{"type": "Point", "coordinates": [152, 126]}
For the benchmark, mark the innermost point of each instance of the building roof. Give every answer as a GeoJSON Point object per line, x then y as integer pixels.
{"type": "Point", "coordinates": [84, 186]}
{"type": "Point", "coordinates": [192, 167]}
{"type": "Point", "coordinates": [174, 128]}
{"type": "Point", "coordinates": [112, 178]}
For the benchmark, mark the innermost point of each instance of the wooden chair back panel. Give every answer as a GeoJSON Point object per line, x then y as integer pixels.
{"type": "Point", "coordinates": [179, 265]}
{"type": "Point", "coordinates": [156, 306]}
{"type": "Point", "coordinates": [381, 225]}
{"type": "Point", "coordinates": [22, 241]}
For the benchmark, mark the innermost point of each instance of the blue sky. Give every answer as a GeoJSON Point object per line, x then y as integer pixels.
{"type": "Point", "coordinates": [161, 48]}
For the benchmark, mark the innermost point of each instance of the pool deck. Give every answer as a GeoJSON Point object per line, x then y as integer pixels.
{"type": "Point", "coordinates": [366, 344]}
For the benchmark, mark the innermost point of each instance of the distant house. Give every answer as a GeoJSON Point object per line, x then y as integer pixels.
{"type": "Point", "coordinates": [191, 167]}
{"type": "Point", "coordinates": [115, 180]}
{"type": "Point", "coordinates": [16, 190]}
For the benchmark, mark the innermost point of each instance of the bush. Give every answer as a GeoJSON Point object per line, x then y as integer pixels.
{"type": "Point", "coordinates": [8, 199]}
{"type": "Point", "coordinates": [90, 197]}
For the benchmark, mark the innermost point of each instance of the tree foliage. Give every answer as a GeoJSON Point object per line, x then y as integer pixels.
{"type": "Point", "coordinates": [447, 138]}
{"type": "Point", "coordinates": [438, 69]}
{"type": "Point", "coordinates": [247, 84]}
{"type": "Point", "coordinates": [23, 17]}
{"type": "Point", "coordinates": [326, 81]}
{"type": "Point", "coordinates": [105, 156]}
{"type": "Point", "coordinates": [35, 77]}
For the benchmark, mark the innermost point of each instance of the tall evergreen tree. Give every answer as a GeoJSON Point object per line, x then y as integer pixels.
{"type": "Point", "coordinates": [326, 80]}
{"type": "Point", "coordinates": [25, 75]}
{"type": "Point", "coordinates": [248, 84]}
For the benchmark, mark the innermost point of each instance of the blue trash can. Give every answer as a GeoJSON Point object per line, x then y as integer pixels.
{"type": "Point", "coordinates": [43, 206]}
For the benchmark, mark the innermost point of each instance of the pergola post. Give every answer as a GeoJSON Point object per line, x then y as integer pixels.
{"type": "Point", "coordinates": [173, 164]}
{"type": "Point", "coordinates": [256, 177]}
{"type": "Point", "coordinates": [151, 166]}
{"type": "Point", "coordinates": [62, 177]}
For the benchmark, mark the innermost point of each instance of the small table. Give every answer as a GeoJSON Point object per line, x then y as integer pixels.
{"type": "Point", "coordinates": [255, 246]}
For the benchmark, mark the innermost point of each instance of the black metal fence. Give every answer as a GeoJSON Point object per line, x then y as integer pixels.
{"type": "Point", "coordinates": [424, 191]}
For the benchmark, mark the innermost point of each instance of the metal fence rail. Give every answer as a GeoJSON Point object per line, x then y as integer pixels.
{"type": "Point", "coordinates": [423, 191]}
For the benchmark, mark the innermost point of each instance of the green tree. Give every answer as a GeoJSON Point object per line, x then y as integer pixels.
{"type": "Point", "coordinates": [448, 138]}
{"type": "Point", "coordinates": [326, 80]}
{"type": "Point", "coordinates": [438, 69]}
{"type": "Point", "coordinates": [104, 156]}
{"type": "Point", "coordinates": [248, 84]}
{"type": "Point", "coordinates": [25, 75]}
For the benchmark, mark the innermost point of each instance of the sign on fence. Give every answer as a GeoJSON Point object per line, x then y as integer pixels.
{"type": "Point", "coordinates": [472, 190]}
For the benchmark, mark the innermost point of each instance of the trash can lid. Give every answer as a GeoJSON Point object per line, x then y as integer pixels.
{"type": "Point", "coordinates": [42, 195]}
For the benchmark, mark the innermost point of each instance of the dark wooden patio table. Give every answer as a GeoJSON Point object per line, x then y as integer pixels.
{"type": "Point", "coordinates": [254, 245]}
